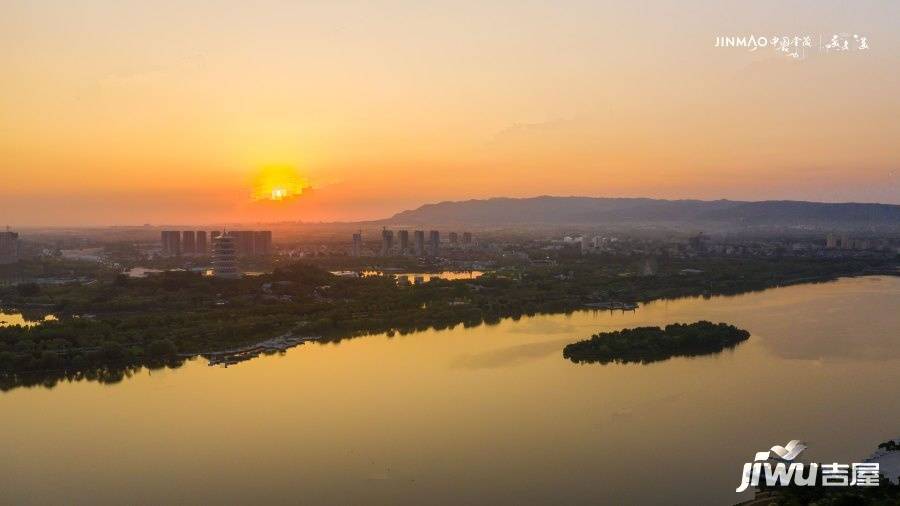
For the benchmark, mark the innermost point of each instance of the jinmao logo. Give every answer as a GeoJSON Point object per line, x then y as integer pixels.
{"type": "Point", "coordinates": [784, 472]}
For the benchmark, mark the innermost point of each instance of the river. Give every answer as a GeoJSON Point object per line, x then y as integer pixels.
{"type": "Point", "coordinates": [483, 415]}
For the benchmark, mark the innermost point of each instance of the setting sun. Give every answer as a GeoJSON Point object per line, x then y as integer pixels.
{"type": "Point", "coordinates": [278, 183]}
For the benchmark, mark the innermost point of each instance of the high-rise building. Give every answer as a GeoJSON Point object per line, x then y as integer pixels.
{"type": "Point", "coordinates": [9, 247]}
{"type": "Point", "coordinates": [404, 241]}
{"type": "Point", "coordinates": [434, 242]}
{"type": "Point", "coordinates": [467, 238]}
{"type": "Point", "coordinates": [171, 242]}
{"type": "Point", "coordinates": [243, 242]}
{"type": "Point", "coordinates": [831, 241]}
{"type": "Point", "coordinates": [419, 240]}
{"type": "Point", "coordinates": [262, 243]}
{"type": "Point", "coordinates": [188, 242]}
{"type": "Point", "coordinates": [246, 242]}
{"type": "Point", "coordinates": [225, 257]}
{"type": "Point", "coordinates": [846, 243]}
{"type": "Point", "coordinates": [357, 245]}
{"type": "Point", "coordinates": [454, 238]}
{"type": "Point", "coordinates": [387, 242]}
{"type": "Point", "coordinates": [191, 242]}
{"type": "Point", "coordinates": [699, 242]}
{"type": "Point", "coordinates": [202, 245]}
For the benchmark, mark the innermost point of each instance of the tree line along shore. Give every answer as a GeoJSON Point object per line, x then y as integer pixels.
{"type": "Point", "coordinates": [105, 328]}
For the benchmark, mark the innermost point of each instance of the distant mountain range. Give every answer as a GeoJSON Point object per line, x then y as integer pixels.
{"type": "Point", "coordinates": [547, 210]}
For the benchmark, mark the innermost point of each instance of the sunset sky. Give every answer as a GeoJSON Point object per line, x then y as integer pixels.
{"type": "Point", "coordinates": [167, 112]}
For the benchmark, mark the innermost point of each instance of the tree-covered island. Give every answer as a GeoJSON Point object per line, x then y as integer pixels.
{"type": "Point", "coordinates": [652, 344]}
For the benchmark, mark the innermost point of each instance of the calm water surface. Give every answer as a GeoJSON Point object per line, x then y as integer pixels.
{"type": "Point", "coordinates": [410, 276]}
{"type": "Point", "coordinates": [17, 318]}
{"type": "Point", "coordinates": [491, 414]}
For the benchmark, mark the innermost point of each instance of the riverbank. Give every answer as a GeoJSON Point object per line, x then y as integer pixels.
{"type": "Point", "coordinates": [159, 319]}
{"type": "Point", "coordinates": [503, 398]}
{"type": "Point", "coordinates": [233, 356]}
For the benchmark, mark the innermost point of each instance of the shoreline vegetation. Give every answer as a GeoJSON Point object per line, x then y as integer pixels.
{"type": "Point", "coordinates": [109, 329]}
{"type": "Point", "coordinates": [653, 344]}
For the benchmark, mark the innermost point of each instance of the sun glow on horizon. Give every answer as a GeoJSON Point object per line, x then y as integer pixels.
{"type": "Point", "coordinates": [268, 112]}
{"type": "Point", "coordinates": [278, 183]}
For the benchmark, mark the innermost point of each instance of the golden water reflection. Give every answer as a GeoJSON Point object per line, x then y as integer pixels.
{"type": "Point", "coordinates": [16, 318]}
{"type": "Point", "coordinates": [414, 277]}
{"type": "Point", "coordinates": [490, 414]}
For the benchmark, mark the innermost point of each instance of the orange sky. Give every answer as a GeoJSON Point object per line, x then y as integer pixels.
{"type": "Point", "coordinates": [166, 112]}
